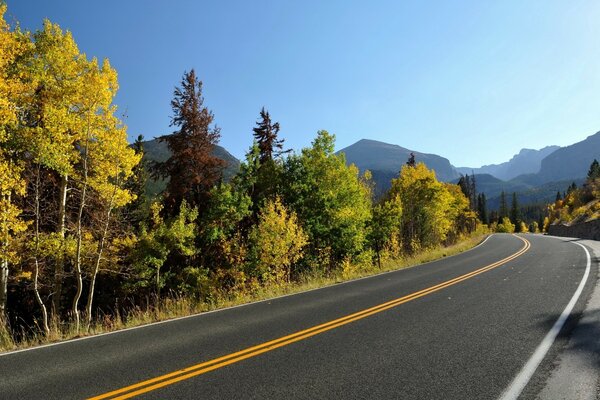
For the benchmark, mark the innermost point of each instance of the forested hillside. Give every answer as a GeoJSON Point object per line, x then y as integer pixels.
{"type": "Point", "coordinates": [83, 249]}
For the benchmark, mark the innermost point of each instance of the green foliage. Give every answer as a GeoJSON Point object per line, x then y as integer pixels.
{"type": "Point", "coordinates": [173, 237]}
{"type": "Point", "coordinates": [330, 199]}
{"type": "Point", "coordinates": [386, 227]}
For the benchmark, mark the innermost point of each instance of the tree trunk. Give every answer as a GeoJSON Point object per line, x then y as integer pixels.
{"type": "Point", "coordinates": [3, 288]}
{"type": "Point", "coordinates": [90, 298]}
{"type": "Point", "coordinates": [4, 271]}
{"type": "Point", "coordinates": [78, 277]}
{"type": "Point", "coordinates": [59, 267]}
{"type": "Point", "coordinates": [36, 272]}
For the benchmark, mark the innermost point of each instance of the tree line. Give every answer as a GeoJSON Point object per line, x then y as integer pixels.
{"type": "Point", "coordinates": [81, 241]}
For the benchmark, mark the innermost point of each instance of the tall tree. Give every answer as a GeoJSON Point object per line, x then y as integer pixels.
{"type": "Point", "coordinates": [503, 211]}
{"type": "Point", "coordinates": [482, 208]}
{"type": "Point", "coordinates": [11, 183]}
{"type": "Point", "coordinates": [514, 211]}
{"type": "Point", "coordinates": [265, 134]}
{"type": "Point", "coordinates": [138, 209]}
{"type": "Point", "coordinates": [192, 169]}
{"type": "Point", "coordinates": [594, 171]}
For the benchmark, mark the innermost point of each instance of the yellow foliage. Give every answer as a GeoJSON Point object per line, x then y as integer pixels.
{"type": "Point", "coordinates": [277, 242]}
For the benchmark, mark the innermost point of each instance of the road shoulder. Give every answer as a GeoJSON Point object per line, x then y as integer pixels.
{"type": "Point", "coordinates": [576, 376]}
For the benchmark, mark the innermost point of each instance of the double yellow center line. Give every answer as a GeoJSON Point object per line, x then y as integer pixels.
{"type": "Point", "coordinates": [211, 365]}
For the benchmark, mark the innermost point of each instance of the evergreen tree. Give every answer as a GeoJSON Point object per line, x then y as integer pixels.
{"type": "Point", "coordinates": [138, 209]}
{"type": "Point", "coordinates": [514, 211]}
{"type": "Point", "coordinates": [269, 170]}
{"type": "Point", "coordinates": [265, 135]}
{"type": "Point", "coordinates": [482, 208]}
{"type": "Point", "coordinates": [411, 160]}
{"type": "Point", "coordinates": [503, 211]}
{"type": "Point", "coordinates": [469, 189]}
{"type": "Point", "coordinates": [558, 196]}
{"type": "Point", "coordinates": [192, 169]}
{"type": "Point", "coordinates": [594, 171]}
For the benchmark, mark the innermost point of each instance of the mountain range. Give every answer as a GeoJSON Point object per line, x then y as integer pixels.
{"type": "Point", "coordinates": [527, 161]}
{"type": "Point", "coordinates": [536, 175]}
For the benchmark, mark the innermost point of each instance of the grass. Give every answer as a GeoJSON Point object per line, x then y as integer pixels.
{"type": "Point", "coordinates": [182, 306]}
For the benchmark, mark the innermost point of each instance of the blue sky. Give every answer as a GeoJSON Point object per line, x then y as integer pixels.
{"type": "Point", "coordinates": [473, 81]}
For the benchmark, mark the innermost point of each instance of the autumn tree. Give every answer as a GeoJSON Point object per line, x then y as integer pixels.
{"type": "Point", "coordinates": [425, 204]}
{"type": "Point", "coordinates": [276, 242]}
{"type": "Point", "coordinates": [12, 46]}
{"type": "Point", "coordinates": [386, 227]}
{"type": "Point", "coordinates": [192, 169]}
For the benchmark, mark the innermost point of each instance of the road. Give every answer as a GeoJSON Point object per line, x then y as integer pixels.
{"type": "Point", "coordinates": [459, 328]}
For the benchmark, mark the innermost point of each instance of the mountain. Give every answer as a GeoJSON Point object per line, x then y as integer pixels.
{"type": "Point", "coordinates": [157, 151]}
{"type": "Point", "coordinates": [384, 160]}
{"type": "Point", "coordinates": [528, 161]}
{"type": "Point", "coordinates": [570, 162]}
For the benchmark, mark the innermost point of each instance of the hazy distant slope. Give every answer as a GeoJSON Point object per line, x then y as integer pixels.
{"type": "Point", "coordinates": [528, 161]}
{"type": "Point", "coordinates": [570, 162]}
{"type": "Point", "coordinates": [388, 158]}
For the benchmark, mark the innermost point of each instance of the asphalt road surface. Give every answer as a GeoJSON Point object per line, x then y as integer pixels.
{"type": "Point", "coordinates": [459, 328]}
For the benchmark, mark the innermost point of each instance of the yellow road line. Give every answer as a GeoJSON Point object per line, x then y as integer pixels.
{"type": "Point", "coordinates": [220, 362]}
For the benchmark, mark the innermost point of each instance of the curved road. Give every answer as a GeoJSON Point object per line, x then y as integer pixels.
{"type": "Point", "coordinates": [462, 327]}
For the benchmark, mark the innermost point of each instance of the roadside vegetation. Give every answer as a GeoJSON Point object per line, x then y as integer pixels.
{"type": "Point", "coordinates": [84, 250]}
{"type": "Point", "coordinates": [577, 204]}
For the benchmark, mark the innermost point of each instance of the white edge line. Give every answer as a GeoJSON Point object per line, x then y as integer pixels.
{"type": "Point", "coordinates": [513, 391]}
{"type": "Point", "coordinates": [200, 314]}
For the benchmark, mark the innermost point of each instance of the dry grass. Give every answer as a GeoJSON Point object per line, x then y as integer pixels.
{"type": "Point", "coordinates": [179, 307]}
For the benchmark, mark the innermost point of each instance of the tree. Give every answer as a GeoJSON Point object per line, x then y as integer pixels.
{"type": "Point", "coordinates": [482, 208]}
{"type": "Point", "coordinates": [505, 226]}
{"type": "Point", "coordinates": [411, 160]}
{"type": "Point", "coordinates": [192, 169]}
{"type": "Point", "coordinates": [514, 210]}
{"type": "Point", "coordinates": [162, 239]}
{"type": "Point", "coordinates": [386, 226]}
{"type": "Point", "coordinates": [137, 210]}
{"type": "Point", "coordinates": [265, 134]}
{"type": "Point", "coordinates": [330, 198]}
{"type": "Point", "coordinates": [268, 174]}
{"type": "Point", "coordinates": [426, 203]}
{"type": "Point", "coordinates": [594, 172]}
{"type": "Point", "coordinates": [277, 242]}
{"type": "Point", "coordinates": [11, 184]}
{"type": "Point", "coordinates": [503, 211]}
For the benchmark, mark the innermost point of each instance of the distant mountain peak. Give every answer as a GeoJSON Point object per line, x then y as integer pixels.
{"type": "Point", "coordinates": [526, 161]}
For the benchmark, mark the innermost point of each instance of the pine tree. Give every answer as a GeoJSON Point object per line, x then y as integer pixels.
{"type": "Point", "coordinates": [514, 211]}
{"type": "Point", "coordinates": [558, 196]}
{"type": "Point", "coordinates": [138, 209]}
{"type": "Point", "coordinates": [192, 168]}
{"type": "Point", "coordinates": [265, 135]}
{"type": "Point", "coordinates": [503, 212]}
{"type": "Point", "coordinates": [594, 171]}
{"type": "Point", "coordinates": [482, 208]}
{"type": "Point", "coordinates": [411, 160]}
